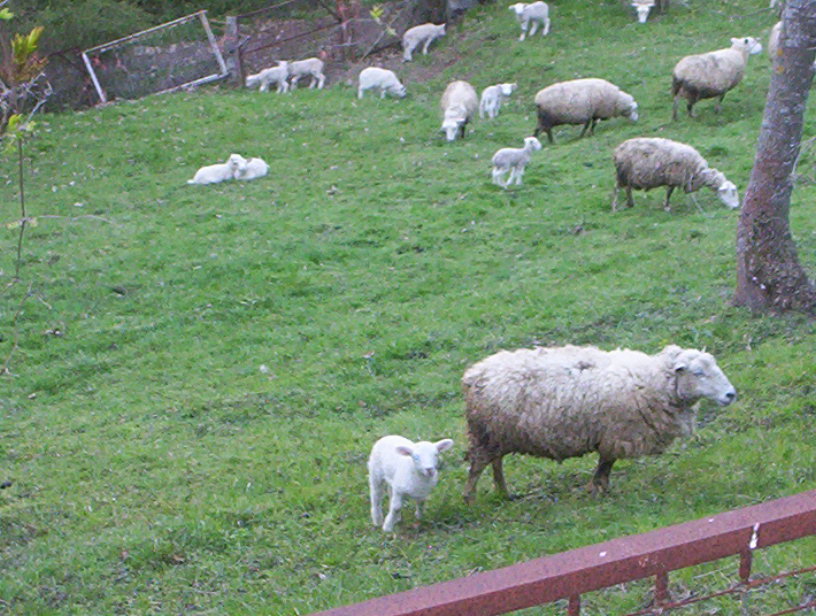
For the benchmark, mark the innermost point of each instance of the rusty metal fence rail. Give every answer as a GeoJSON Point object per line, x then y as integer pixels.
{"type": "Point", "coordinates": [569, 575]}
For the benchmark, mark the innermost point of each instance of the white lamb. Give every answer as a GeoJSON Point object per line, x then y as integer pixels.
{"type": "Point", "coordinates": [382, 79]}
{"type": "Point", "coordinates": [273, 75]}
{"type": "Point", "coordinates": [212, 174]}
{"type": "Point", "coordinates": [492, 98]}
{"type": "Point", "coordinates": [255, 168]}
{"type": "Point", "coordinates": [537, 13]}
{"type": "Point", "coordinates": [409, 469]}
{"type": "Point", "coordinates": [459, 104]}
{"type": "Point", "coordinates": [311, 67]}
{"type": "Point", "coordinates": [513, 160]}
{"type": "Point", "coordinates": [642, 8]}
{"type": "Point", "coordinates": [424, 33]}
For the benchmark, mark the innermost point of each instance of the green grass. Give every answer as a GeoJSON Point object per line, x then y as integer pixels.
{"type": "Point", "coordinates": [158, 470]}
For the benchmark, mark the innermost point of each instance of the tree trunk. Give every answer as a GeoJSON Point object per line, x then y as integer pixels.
{"type": "Point", "coordinates": [769, 276]}
{"type": "Point", "coordinates": [428, 10]}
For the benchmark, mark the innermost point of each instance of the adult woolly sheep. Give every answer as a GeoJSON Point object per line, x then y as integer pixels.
{"type": "Point", "coordinates": [581, 101]}
{"type": "Point", "coordinates": [311, 67]}
{"type": "Point", "coordinates": [645, 163]}
{"type": "Point", "coordinates": [513, 160]}
{"type": "Point", "coordinates": [459, 104]}
{"type": "Point", "coordinates": [565, 402]}
{"type": "Point", "coordinates": [535, 13]}
{"type": "Point", "coordinates": [492, 97]}
{"type": "Point", "coordinates": [272, 75]}
{"type": "Point", "coordinates": [424, 33]}
{"type": "Point", "coordinates": [409, 469]}
{"type": "Point", "coordinates": [712, 74]}
{"type": "Point", "coordinates": [382, 79]}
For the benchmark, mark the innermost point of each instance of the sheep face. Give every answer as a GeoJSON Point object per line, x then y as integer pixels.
{"type": "Point", "coordinates": [452, 127]}
{"type": "Point", "coordinates": [398, 90]}
{"type": "Point", "coordinates": [749, 43]}
{"type": "Point", "coordinates": [698, 376]}
{"type": "Point", "coordinates": [518, 8]}
{"type": "Point", "coordinates": [252, 80]}
{"type": "Point", "coordinates": [507, 88]}
{"type": "Point", "coordinates": [642, 8]}
{"type": "Point", "coordinates": [425, 456]}
{"type": "Point", "coordinates": [237, 164]}
{"type": "Point", "coordinates": [727, 192]}
{"type": "Point", "coordinates": [532, 144]}
{"type": "Point", "coordinates": [632, 113]}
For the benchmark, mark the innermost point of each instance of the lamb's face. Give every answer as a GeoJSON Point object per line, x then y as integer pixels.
{"type": "Point", "coordinates": [727, 192]}
{"type": "Point", "coordinates": [237, 163]}
{"type": "Point", "coordinates": [451, 128]}
{"type": "Point", "coordinates": [507, 88]}
{"type": "Point", "coordinates": [252, 80]}
{"type": "Point", "coordinates": [518, 8]}
{"type": "Point", "coordinates": [699, 376]}
{"type": "Point", "coordinates": [425, 456]}
{"type": "Point", "coordinates": [642, 9]}
{"type": "Point", "coordinates": [748, 43]}
{"type": "Point", "coordinates": [398, 90]}
{"type": "Point", "coordinates": [633, 111]}
{"type": "Point", "coordinates": [532, 144]}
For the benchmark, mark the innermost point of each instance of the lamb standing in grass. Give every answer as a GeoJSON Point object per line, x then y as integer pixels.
{"type": "Point", "coordinates": [513, 160]}
{"type": "Point", "coordinates": [255, 168]}
{"type": "Point", "coordinates": [492, 97]}
{"type": "Point", "coordinates": [382, 79]}
{"type": "Point", "coordinates": [409, 469]}
{"type": "Point", "coordinates": [212, 174]}
{"type": "Point", "coordinates": [582, 101]}
{"type": "Point", "coordinates": [645, 163]}
{"type": "Point", "coordinates": [536, 13]}
{"type": "Point", "coordinates": [459, 104]}
{"type": "Point", "coordinates": [565, 402]}
{"type": "Point", "coordinates": [642, 8]}
{"type": "Point", "coordinates": [273, 75]}
{"type": "Point", "coordinates": [712, 74]}
{"type": "Point", "coordinates": [310, 67]}
{"type": "Point", "coordinates": [424, 33]}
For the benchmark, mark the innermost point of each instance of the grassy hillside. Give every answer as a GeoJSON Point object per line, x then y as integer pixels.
{"type": "Point", "coordinates": [194, 440]}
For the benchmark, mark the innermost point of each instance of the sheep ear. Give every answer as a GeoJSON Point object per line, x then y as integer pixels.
{"type": "Point", "coordinates": [734, 40]}
{"type": "Point", "coordinates": [443, 445]}
{"type": "Point", "coordinates": [404, 451]}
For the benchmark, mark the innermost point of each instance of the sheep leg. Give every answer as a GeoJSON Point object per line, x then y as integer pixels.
{"type": "Point", "coordinates": [497, 177]}
{"type": "Point", "coordinates": [615, 197]}
{"type": "Point", "coordinates": [600, 481]}
{"type": "Point", "coordinates": [519, 172]}
{"type": "Point", "coordinates": [666, 205]}
{"type": "Point", "coordinates": [320, 81]}
{"type": "Point", "coordinates": [425, 47]}
{"type": "Point", "coordinates": [674, 107]}
{"type": "Point", "coordinates": [629, 201]}
{"type": "Point", "coordinates": [394, 507]}
{"type": "Point", "coordinates": [524, 25]}
{"type": "Point", "coordinates": [420, 509]}
{"type": "Point", "coordinates": [534, 28]}
{"type": "Point", "coordinates": [546, 30]}
{"type": "Point", "coordinates": [586, 126]}
{"type": "Point", "coordinates": [376, 494]}
{"type": "Point", "coordinates": [498, 478]}
{"type": "Point", "coordinates": [477, 465]}
{"type": "Point", "coordinates": [718, 106]}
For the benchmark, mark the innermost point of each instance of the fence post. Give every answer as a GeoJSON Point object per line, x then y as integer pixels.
{"type": "Point", "coordinates": [232, 47]}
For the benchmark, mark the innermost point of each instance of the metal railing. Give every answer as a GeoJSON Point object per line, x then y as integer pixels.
{"type": "Point", "coordinates": [570, 574]}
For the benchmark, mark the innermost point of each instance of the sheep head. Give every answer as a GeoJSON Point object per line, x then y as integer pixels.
{"type": "Point", "coordinates": [531, 144]}
{"type": "Point", "coordinates": [748, 45]}
{"type": "Point", "coordinates": [699, 376]}
{"type": "Point", "coordinates": [507, 88]}
{"type": "Point", "coordinates": [517, 8]}
{"type": "Point", "coordinates": [727, 192]}
{"type": "Point", "coordinates": [627, 106]}
{"type": "Point", "coordinates": [642, 7]}
{"type": "Point", "coordinates": [425, 455]}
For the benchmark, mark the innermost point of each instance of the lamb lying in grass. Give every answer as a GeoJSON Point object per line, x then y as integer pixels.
{"type": "Point", "coordinates": [273, 75]}
{"type": "Point", "coordinates": [409, 469]}
{"type": "Point", "coordinates": [212, 174]}
{"type": "Point", "coordinates": [255, 168]}
{"type": "Point", "coordinates": [513, 160]}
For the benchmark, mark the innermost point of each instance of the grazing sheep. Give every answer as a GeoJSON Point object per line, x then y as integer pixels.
{"type": "Point", "coordinates": [459, 104]}
{"type": "Point", "coordinates": [513, 160]}
{"type": "Point", "coordinates": [212, 174]}
{"type": "Point", "coordinates": [312, 67]}
{"type": "Point", "coordinates": [537, 13]}
{"type": "Point", "coordinates": [425, 33]}
{"type": "Point", "coordinates": [255, 168]}
{"type": "Point", "coordinates": [409, 469]}
{"type": "Point", "coordinates": [492, 97]}
{"type": "Point", "coordinates": [565, 402]}
{"type": "Point", "coordinates": [382, 79]}
{"type": "Point", "coordinates": [712, 74]}
{"type": "Point", "coordinates": [646, 163]}
{"type": "Point", "coordinates": [273, 75]}
{"type": "Point", "coordinates": [582, 101]}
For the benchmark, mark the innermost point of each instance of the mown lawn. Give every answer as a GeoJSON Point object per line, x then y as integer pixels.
{"type": "Point", "coordinates": [194, 439]}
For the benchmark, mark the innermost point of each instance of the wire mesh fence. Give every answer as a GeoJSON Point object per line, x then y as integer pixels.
{"type": "Point", "coordinates": [175, 54]}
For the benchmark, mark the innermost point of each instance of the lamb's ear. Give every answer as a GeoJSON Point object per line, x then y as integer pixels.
{"type": "Point", "coordinates": [443, 445]}
{"type": "Point", "coordinates": [404, 451]}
